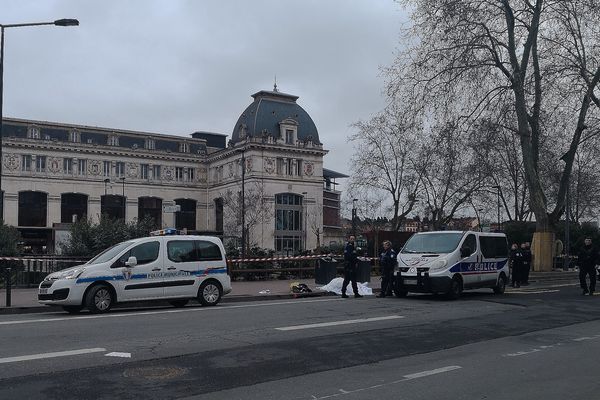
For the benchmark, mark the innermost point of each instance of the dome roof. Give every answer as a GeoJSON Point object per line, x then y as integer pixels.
{"type": "Point", "coordinates": [269, 109]}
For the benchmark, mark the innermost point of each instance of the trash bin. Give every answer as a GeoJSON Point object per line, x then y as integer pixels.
{"type": "Point", "coordinates": [325, 270]}
{"type": "Point", "coordinates": [363, 272]}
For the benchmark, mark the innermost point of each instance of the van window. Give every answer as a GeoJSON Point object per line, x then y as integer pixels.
{"type": "Point", "coordinates": [493, 246]}
{"type": "Point", "coordinates": [471, 243]}
{"type": "Point", "coordinates": [109, 253]}
{"type": "Point", "coordinates": [181, 251]}
{"type": "Point", "coordinates": [145, 253]}
{"type": "Point", "coordinates": [208, 251]}
{"type": "Point", "coordinates": [442, 242]}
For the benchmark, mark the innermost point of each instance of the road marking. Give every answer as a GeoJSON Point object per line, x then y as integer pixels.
{"type": "Point", "coordinates": [185, 310]}
{"type": "Point", "coordinates": [50, 355]}
{"type": "Point", "coordinates": [117, 354]}
{"type": "Point", "coordinates": [405, 378]}
{"type": "Point", "coordinates": [532, 291]}
{"type": "Point", "coordinates": [336, 323]}
{"type": "Point", "coordinates": [432, 372]}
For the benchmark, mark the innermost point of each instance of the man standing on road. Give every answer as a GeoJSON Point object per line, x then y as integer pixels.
{"type": "Point", "coordinates": [351, 264]}
{"type": "Point", "coordinates": [587, 260]}
{"type": "Point", "coordinates": [387, 261]}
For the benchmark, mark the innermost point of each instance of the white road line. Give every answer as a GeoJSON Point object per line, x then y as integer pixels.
{"type": "Point", "coordinates": [336, 323]}
{"type": "Point", "coordinates": [432, 372]}
{"type": "Point", "coordinates": [117, 354]}
{"type": "Point", "coordinates": [184, 310]}
{"type": "Point", "coordinates": [532, 291]}
{"type": "Point", "coordinates": [50, 355]}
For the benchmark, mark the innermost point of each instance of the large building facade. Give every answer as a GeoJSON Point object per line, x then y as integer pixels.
{"type": "Point", "coordinates": [55, 173]}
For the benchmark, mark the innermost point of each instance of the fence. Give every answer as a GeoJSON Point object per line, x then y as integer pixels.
{"type": "Point", "coordinates": [30, 271]}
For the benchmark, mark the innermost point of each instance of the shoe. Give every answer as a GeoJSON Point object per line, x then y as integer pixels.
{"type": "Point", "coordinates": [584, 292]}
{"type": "Point", "coordinates": [357, 296]}
{"type": "Point", "coordinates": [344, 296]}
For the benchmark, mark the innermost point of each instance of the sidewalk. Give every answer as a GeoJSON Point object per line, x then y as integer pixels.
{"type": "Point", "coordinates": [25, 300]}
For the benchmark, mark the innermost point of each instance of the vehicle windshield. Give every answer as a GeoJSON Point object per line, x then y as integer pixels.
{"type": "Point", "coordinates": [109, 253]}
{"type": "Point", "coordinates": [443, 242]}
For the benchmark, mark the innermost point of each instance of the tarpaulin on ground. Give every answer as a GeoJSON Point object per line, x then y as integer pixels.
{"type": "Point", "coordinates": [335, 286]}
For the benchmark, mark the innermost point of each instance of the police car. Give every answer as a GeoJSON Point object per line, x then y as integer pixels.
{"type": "Point", "coordinates": [163, 266]}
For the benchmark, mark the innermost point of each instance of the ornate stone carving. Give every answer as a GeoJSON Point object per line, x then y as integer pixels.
{"type": "Point", "coordinates": [95, 167]}
{"type": "Point", "coordinates": [54, 165]}
{"type": "Point", "coordinates": [133, 170]}
{"type": "Point", "coordinates": [269, 165]}
{"type": "Point", "coordinates": [309, 169]}
{"type": "Point", "coordinates": [12, 162]}
{"type": "Point", "coordinates": [168, 173]}
{"type": "Point", "coordinates": [249, 164]}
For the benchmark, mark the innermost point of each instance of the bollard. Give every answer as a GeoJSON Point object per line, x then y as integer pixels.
{"type": "Point", "coordinates": [7, 283]}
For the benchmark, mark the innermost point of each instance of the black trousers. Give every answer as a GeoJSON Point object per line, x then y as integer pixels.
{"type": "Point", "coordinates": [350, 276]}
{"type": "Point", "coordinates": [583, 271]}
{"type": "Point", "coordinates": [517, 274]}
{"type": "Point", "coordinates": [526, 269]}
{"type": "Point", "coordinates": [387, 276]}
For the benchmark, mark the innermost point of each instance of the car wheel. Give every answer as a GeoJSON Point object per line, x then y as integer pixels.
{"type": "Point", "coordinates": [209, 293]}
{"type": "Point", "coordinates": [455, 289]}
{"type": "Point", "coordinates": [73, 309]}
{"type": "Point", "coordinates": [99, 299]}
{"type": "Point", "coordinates": [501, 287]}
{"type": "Point", "coordinates": [179, 303]}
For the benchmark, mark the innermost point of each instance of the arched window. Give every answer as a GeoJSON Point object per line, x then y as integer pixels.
{"type": "Point", "coordinates": [219, 214]}
{"type": "Point", "coordinates": [288, 224]}
{"type": "Point", "coordinates": [113, 206]}
{"type": "Point", "coordinates": [33, 208]}
{"type": "Point", "coordinates": [186, 218]}
{"type": "Point", "coordinates": [73, 207]}
{"type": "Point", "coordinates": [150, 207]}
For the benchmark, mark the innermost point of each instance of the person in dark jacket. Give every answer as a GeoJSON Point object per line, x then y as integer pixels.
{"type": "Point", "coordinates": [387, 261]}
{"type": "Point", "coordinates": [351, 264]}
{"type": "Point", "coordinates": [516, 262]}
{"type": "Point", "coordinates": [526, 263]}
{"type": "Point", "coordinates": [587, 260]}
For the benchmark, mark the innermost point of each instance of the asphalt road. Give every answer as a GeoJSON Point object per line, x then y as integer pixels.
{"type": "Point", "coordinates": [537, 343]}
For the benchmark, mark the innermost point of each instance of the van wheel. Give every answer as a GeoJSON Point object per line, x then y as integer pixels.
{"type": "Point", "coordinates": [501, 287]}
{"type": "Point", "coordinates": [99, 299]}
{"type": "Point", "coordinates": [209, 293]}
{"type": "Point", "coordinates": [455, 289]}
{"type": "Point", "coordinates": [73, 309]}
{"type": "Point", "coordinates": [179, 303]}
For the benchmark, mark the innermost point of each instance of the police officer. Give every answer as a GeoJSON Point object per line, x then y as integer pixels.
{"type": "Point", "coordinates": [387, 260]}
{"type": "Point", "coordinates": [587, 260]}
{"type": "Point", "coordinates": [516, 260]}
{"type": "Point", "coordinates": [351, 264]}
{"type": "Point", "coordinates": [526, 252]}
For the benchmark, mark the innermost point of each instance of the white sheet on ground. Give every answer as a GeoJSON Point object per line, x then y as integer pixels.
{"type": "Point", "coordinates": [335, 286]}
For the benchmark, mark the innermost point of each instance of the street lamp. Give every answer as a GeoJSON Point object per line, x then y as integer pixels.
{"type": "Point", "coordinates": [123, 197]}
{"type": "Point", "coordinates": [243, 162]}
{"type": "Point", "coordinates": [354, 217]}
{"type": "Point", "coordinates": [106, 182]}
{"type": "Point", "coordinates": [567, 222]}
{"type": "Point", "coordinates": [58, 22]}
{"type": "Point", "coordinates": [305, 217]}
{"type": "Point", "coordinates": [497, 187]}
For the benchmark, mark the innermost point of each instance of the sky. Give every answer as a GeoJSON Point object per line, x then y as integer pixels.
{"type": "Point", "coordinates": [177, 66]}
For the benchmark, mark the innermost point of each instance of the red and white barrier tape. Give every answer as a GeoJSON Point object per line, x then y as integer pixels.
{"type": "Point", "coordinates": [293, 258]}
{"type": "Point", "coordinates": [39, 259]}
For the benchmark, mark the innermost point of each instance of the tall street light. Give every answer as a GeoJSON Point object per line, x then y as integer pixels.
{"type": "Point", "coordinates": [58, 22]}
{"type": "Point", "coordinates": [497, 187]}
{"type": "Point", "coordinates": [305, 217]}
{"type": "Point", "coordinates": [354, 217]}
{"type": "Point", "coordinates": [567, 222]}
{"type": "Point", "coordinates": [243, 162]}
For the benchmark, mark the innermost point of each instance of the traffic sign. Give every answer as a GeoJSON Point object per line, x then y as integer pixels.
{"type": "Point", "coordinates": [171, 209]}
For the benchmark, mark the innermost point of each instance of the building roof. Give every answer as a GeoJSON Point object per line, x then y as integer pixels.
{"type": "Point", "coordinates": [328, 173]}
{"type": "Point", "coordinates": [267, 111]}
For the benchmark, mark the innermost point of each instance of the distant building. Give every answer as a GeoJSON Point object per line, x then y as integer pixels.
{"type": "Point", "coordinates": [55, 173]}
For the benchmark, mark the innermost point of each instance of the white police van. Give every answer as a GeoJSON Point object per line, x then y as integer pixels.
{"type": "Point", "coordinates": [163, 266]}
{"type": "Point", "coordinates": [449, 262]}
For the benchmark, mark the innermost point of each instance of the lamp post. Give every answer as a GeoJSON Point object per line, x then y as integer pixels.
{"type": "Point", "coordinates": [567, 224]}
{"type": "Point", "coordinates": [243, 162]}
{"type": "Point", "coordinates": [123, 197]}
{"type": "Point", "coordinates": [106, 182]}
{"type": "Point", "coordinates": [305, 217]}
{"type": "Point", "coordinates": [497, 187]}
{"type": "Point", "coordinates": [58, 22]}
{"type": "Point", "coordinates": [354, 217]}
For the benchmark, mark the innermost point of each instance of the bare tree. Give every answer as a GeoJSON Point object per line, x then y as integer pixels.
{"type": "Point", "coordinates": [315, 221]}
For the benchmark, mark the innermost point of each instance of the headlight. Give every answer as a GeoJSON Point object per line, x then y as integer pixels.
{"type": "Point", "coordinates": [71, 274]}
{"type": "Point", "coordinates": [438, 265]}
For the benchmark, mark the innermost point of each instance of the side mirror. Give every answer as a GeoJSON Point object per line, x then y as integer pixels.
{"type": "Point", "coordinates": [131, 261]}
{"type": "Point", "coordinates": [465, 251]}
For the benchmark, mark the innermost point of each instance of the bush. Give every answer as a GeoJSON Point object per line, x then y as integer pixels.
{"type": "Point", "coordinates": [9, 240]}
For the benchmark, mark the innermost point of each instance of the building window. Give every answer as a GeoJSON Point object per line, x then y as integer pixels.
{"type": "Point", "coordinates": [186, 218]}
{"type": "Point", "coordinates": [68, 166]}
{"type": "Point", "coordinates": [33, 207]}
{"type": "Point", "coordinates": [156, 172]}
{"type": "Point", "coordinates": [190, 174]}
{"type": "Point", "coordinates": [144, 171]}
{"type": "Point", "coordinates": [280, 166]}
{"type": "Point", "coordinates": [120, 169]}
{"type": "Point", "coordinates": [184, 147]}
{"type": "Point", "coordinates": [73, 207]}
{"type": "Point", "coordinates": [113, 140]}
{"type": "Point", "coordinates": [33, 132]}
{"type": "Point", "coordinates": [150, 207]}
{"type": "Point", "coordinates": [179, 174]}
{"type": "Point", "coordinates": [106, 168]}
{"type": "Point", "coordinates": [288, 223]}
{"type": "Point", "coordinates": [40, 164]}
{"type": "Point", "coordinates": [25, 163]}
{"type": "Point", "coordinates": [82, 167]}
{"type": "Point", "coordinates": [298, 167]}
{"type": "Point", "coordinates": [75, 136]}
{"type": "Point", "coordinates": [113, 206]}
{"type": "Point", "coordinates": [289, 136]}
{"type": "Point", "coordinates": [150, 144]}
{"type": "Point", "coordinates": [219, 214]}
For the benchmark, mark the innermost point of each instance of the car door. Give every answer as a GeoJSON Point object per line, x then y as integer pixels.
{"type": "Point", "coordinates": [145, 279]}
{"type": "Point", "coordinates": [181, 267]}
{"type": "Point", "coordinates": [469, 264]}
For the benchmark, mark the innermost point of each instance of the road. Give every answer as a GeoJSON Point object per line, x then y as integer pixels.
{"type": "Point", "coordinates": [530, 343]}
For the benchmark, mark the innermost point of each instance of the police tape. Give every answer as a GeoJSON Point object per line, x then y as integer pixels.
{"type": "Point", "coordinates": [41, 259]}
{"type": "Point", "coordinates": [292, 258]}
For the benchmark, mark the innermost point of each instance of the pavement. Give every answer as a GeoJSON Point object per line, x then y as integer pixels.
{"type": "Point", "coordinates": [24, 300]}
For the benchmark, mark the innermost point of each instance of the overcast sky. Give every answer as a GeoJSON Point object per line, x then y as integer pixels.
{"type": "Point", "coordinates": [175, 66]}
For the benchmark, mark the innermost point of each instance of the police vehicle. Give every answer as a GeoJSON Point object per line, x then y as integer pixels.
{"type": "Point", "coordinates": [449, 262]}
{"type": "Point", "coordinates": [163, 266]}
